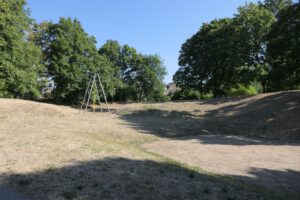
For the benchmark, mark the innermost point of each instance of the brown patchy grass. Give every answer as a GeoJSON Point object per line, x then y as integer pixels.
{"type": "Point", "coordinates": [272, 116]}
{"type": "Point", "coordinates": [53, 152]}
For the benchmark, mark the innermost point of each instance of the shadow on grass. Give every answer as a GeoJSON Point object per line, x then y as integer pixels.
{"type": "Point", "coordinates": [121, 178]}
{"type": "Point", "coordinates": [273, 119]}
{"type": "Point", "coordinates": [99, 110]}
{"type": "Point", "coordinates": [223, 100]}
{"type": "Point", "coordinates": [287, 180]}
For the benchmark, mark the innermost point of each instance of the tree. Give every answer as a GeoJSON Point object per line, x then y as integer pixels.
{"type": "Point", "coordinates": [112, 50]}
{"type": "Point", "coordinates": [141, 75]}
{"type": "Point", "coordinates": [254, 23]}
{"type": "Point", "coordinates": [227, 52]}
{"type": "Point", "coordinates": [193, 71]}
{"type": "Point", "coordinates": [275, 6]}
{"type": "Point", "coordinates": [71, 57]}
{"type": "Point", "coordinates": [19, 57]}
{"type": "Point", "coordinates": [284, 49]}
{"type": "Point", "coordinates": [150, 77]}
{"type": "Point", "coordinates": [209, 58]}
{"type": "Point", "coordinates": [230, 53]}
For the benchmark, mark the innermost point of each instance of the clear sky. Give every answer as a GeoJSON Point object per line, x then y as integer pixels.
{"type": "Point", "coordinates": [150, 26]}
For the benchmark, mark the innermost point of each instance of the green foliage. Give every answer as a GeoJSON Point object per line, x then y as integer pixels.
{"type": "Point", "coordinates": [284, 49]}
{"type": "Point", "coordinates": [258, 46]}
{"type": "Point", "coordinates": [275, 6]}
{"type": "Point", "coordinates": [254, 24]}
{"type": "Point", "coordinates": [227, 53]}
{"type": "Point", "coordinates": [71, 58]}
{"type": "Point", "coordinates": [126, 93]}
{"type": "Point", "coordinates": [141, 75]}
{"type": "Point", "coordinates": [208, 95]}
{"type": "Point", "coordinates": [186, 95]}
{"type": "Point", "coordinates": [165, 98]}
{"type": "Point", "coordinates": [207, 60]}
{"type": "Point", "coordinates": [19, 57]}
{"type": "Point", "coordinates": [242, 91]}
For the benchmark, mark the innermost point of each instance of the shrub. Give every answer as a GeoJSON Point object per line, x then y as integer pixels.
{"type": "Point", "coordinates": [186, 95]}
{"type": "Point", "coordinates": [241, 91]}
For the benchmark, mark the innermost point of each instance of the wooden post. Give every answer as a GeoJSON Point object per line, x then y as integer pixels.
{"type": "Point", "coordinates": [98, 96]}
{"type": "Point", "coordinates": [87, 103]}
{"type": "Point", "coordinates": [103, 93]}
{"type": "Point", "coordinates": [86, 91]}
{"type": "Point", "coordinates": [87, 95]}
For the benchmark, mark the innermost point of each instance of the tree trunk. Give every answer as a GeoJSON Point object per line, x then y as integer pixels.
{"type": "Point", "coordinates": [140, 96]}
{"type": "Point", "coordinates": [201, 91]}
{"type": "Point", "coordinates": [264, 86]}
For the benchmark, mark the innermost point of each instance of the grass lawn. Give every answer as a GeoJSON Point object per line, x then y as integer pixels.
{"type": "Point", "coordinates": [53, 152]}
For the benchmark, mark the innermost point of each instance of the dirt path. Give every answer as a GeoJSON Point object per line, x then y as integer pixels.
{"type": "Point", "coordinates": [272, 165]}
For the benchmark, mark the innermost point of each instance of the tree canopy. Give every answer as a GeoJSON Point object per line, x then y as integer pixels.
{"type": "Point", "coordinates": [258, 47]}
{"type": "Point", "coordinates": [19, 58]}
{"type": "Point", "coordinates": [243, 50]}
{"type": "Point", "coordinates": [141, 75]}
{"type": "Point", "coordinates": [284, 49]}
{"type": "Point", "coordinates": [71, 57]}
{"type": "Point", "coordinates": [61, 57]}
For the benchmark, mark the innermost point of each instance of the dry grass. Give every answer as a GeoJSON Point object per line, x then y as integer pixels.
{"type": "Point", "coordinates": [53, 152]}
{"type": "Point", "coordinates": [270, 116]}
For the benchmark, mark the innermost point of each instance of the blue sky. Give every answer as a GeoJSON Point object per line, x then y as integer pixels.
{"type": "Point", "coordinates": [150, 26]}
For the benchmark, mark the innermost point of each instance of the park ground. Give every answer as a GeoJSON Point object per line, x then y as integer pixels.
{"type": "Point", "coordinates": [233, 148]}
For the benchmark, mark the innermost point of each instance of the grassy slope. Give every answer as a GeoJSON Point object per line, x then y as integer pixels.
{"type": "Point", "coordinates": [270, 116]}
{"type": "Point", "coordinates": [52, 152]}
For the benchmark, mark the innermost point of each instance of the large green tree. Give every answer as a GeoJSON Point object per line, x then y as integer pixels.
{"type": "Point", "coordinates": [253, 24]}
{"type": "Point", "coordinates": [227, 53]}
{"type": "Point", "coordinates": [141, 75]}
{"type": "Point", "coordinates": [208, 59]}
{"type": "Point", "coordinates": [71, 57]}
{"type": "Point", "coordinates": [149, 77]}
{"type": "Point", "coordinates": [193, 72]}
{"type": "Point", "coordinates": [275, 6]}
{"type": "Point", "coordinates": [284, 49]}
{"type": "Point", "coordinates": [19, 57]}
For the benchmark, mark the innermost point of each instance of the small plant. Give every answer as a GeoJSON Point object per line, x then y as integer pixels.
{"type": "Point", "coordinates": [241, 90]}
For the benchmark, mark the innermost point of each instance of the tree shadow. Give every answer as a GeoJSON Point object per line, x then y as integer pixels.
{"type": "Point", "coordinates": [223, 100]}
{"type": "Point", "coordinates": [163, 123]}
{"type": "Point", "coordinates": [287, 180]}
{"type": "Point", "coordinates": [274, 119]}
{"type": "Point", "coordinates": [234, 140]}
{"type": "Point", "coordinates": [121, 178]}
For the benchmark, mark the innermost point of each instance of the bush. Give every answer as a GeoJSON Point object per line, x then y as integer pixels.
{"type": "Point", "coordinates": [208, 95]}
{"type": "Point", "coordinates": [186, 95]}
{"type": "Point", "coordinates": [126, 93]}
{"type": "Point", "coordinates": [165, 98]}
{"type": "Point", "coordinates": [242, 91]}
{"type": "Point", "coordinates": [176, 96]}
{"type": "Point", "coordinates": [192, 95]}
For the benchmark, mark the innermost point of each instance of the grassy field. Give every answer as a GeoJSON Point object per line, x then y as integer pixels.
{"type": "Point", "coordinates": [55, 152]}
